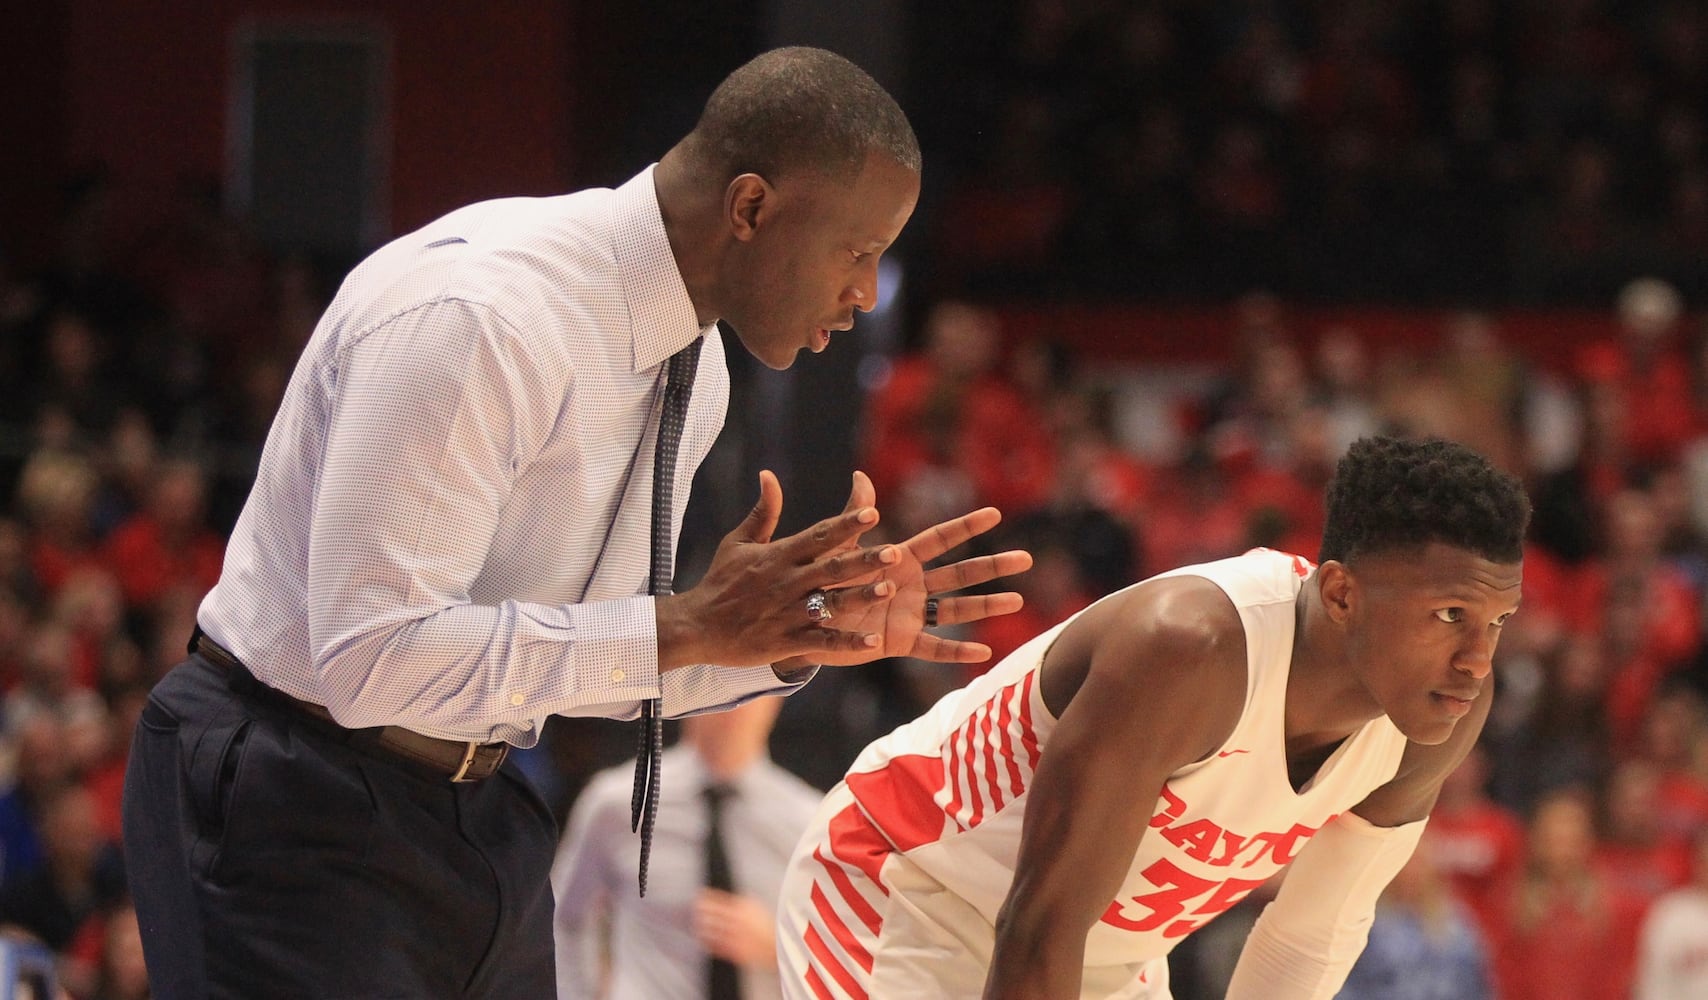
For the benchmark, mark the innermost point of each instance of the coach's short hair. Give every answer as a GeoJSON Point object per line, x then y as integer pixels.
{"type": "Point", "coordinates": [1393, 493]}
{"type": "Point", "coordinates": [800, 108]}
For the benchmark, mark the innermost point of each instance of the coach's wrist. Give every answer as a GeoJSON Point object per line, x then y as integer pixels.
{"type": "Point", "coordinates": [794, 670]}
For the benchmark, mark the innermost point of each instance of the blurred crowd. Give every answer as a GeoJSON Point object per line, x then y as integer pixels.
{"type": "Point", "coordinates": [138, 379]}
{"type": "Point", "coordinates": [1414, 151]}
{"type": "Point", "coordinates": [139, 369]}
{"type": "Point", "coordinates": [1399, 150]}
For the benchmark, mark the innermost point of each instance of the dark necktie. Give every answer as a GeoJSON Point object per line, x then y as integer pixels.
{"type": "Point", "coordinates": [723, 980]}
{"type": "Point", "coordinates": [678, 386]}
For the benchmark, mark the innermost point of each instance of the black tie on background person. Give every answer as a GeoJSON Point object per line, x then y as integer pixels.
{"type": "Point", "coordinates": [678, 387]}
{"type": "Point", "coordinates": [723, 979]}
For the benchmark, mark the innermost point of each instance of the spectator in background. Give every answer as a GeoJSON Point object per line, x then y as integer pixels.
{"type": "Point", "coordinates": [616, 945]}
{"type": "Point", "coordinates": [1562, 930]}
{"type": "Point", "coordinates": [1644, 605]}
{"type": "Point", "coordinates": [1635, 852]}
{"type": "Point", "coordinates": [948, 413]}
{"type": "Point", "coordinates": [73, 379]}
{"type": "Point", "coordinates": [1675, 738]}
{"type": "Point", "coordinates": [1571, 500]}
{"type": "Point", "coordinates": [1341, 387]}
{"type": "Point", "coordinates": [1562, 741]}
{"type": "Point", "coordinates": [1647, 369]}
{"type": "Point", "coordinates": [81, 872]}
{"type": "Point", "coordinates": [1672, 951]}
{"type": "Point", "coordinates": [127, 464]}
{"type": "Point", "coordinates": [48, 688]}
{"type": "Point", "coordinates": [92, 610]}
{"type": "Point", "coordinates": [104, 961]}
{"type": "Point", "coordinates": [1476, 844]}
{"type": "Point", "coordinates": [167, 545]}
{"type": "Point", "coordinates": [39, 772]}
{"type": "Point", "coordinates": [56, 495]}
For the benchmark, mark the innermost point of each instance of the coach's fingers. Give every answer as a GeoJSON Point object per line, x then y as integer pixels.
{"type": "Point", "coordinates": [937, 649]}
{"type": "Point", "coordinates": [807, 545]}
{"type": "Point", "coordinates": [977, 570]}
{"type": "Point", "coordinates": [851, 566]}
{"type": "Point", "coordinates": [940, 538]}
{"type": "Point", "coordinates": [821, 639]}
{"type": "Point", "coordinates": [761, 521]}
{"type": "Point", "coordinates": [860, 493]}
{"type": "Point", "coordinates": [976, 607]}
{"type": "Point", "coordinates": [853, 600]}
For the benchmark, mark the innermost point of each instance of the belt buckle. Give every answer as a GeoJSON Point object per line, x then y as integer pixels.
{"type": "Point", "coordinates": [469, 751]}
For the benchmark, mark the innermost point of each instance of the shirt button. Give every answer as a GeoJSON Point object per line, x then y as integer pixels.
{"type": "Point", "coordinates": [617, 676]}
{"type": "Point", "coordinates": [518, 698]}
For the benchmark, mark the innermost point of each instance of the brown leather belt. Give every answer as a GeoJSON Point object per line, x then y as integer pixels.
{"type": "Point", "coordinates": [462, 761]}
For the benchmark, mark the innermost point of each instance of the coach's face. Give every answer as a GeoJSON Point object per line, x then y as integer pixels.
{"type": "Point", "coordinates": [1421, 627]}
{"type": "Point", "coordinates": [806, 253]}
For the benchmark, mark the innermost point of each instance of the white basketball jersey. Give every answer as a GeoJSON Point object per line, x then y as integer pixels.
{"type": "Point", "coordinates": [949, 789]}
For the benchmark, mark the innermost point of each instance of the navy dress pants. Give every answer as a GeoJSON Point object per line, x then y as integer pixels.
{"type": "Point", "coordinates": [272, 855]}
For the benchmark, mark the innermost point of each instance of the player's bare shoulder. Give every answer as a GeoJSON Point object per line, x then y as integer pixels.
{"type": "Point", "coordinates": [1167, 639]}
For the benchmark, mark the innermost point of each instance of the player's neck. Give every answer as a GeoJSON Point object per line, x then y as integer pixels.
{"type": "Point", "coordinates": [1326, 702]}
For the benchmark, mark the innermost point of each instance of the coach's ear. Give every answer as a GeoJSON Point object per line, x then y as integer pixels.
{"type": "Point", "coordinates": [1335, 585]}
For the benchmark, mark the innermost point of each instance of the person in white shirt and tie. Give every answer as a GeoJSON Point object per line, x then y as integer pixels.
{"type": "Point", "coordinates": [464, 522]}
{"type": "Point", "coordinates": [686, 937]}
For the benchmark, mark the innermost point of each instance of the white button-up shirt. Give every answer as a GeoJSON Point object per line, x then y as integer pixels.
{"type": "Point", "coordinates": [648, 943]}
{"type": "Point", "coordinates": [451, 523]}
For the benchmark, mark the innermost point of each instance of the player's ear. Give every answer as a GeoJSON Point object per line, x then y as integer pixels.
{"type": "Point", "coordinates": [1335, 585]}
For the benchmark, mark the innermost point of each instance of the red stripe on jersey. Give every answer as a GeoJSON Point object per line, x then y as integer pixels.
{"type": "Point", "coordinates": [992, 783]}
{"type": "Point", "coordinates": [950, 761]}
{"type": "Point", "coordinates": [901, 799]}
{"type": "Point", "coordinates": [854, 840]}
{"type": "Point", "coordinates": [850, 895]}
{"type": "Point", "coordinates": [828, 962]}
{"type": "Point", "coordinates": [970, 767]}
{"type": "Point", "coordinates": [817, 986]}
{"type": "Point", "coordinates": [839, 930]}
{"type": "Point", "coordinates": [1005, 727]}
{"type": "Point", "coordinates": [1028, 738]}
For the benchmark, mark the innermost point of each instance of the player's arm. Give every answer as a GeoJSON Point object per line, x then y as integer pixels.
{"type": "Point", "coordinates": [1307, 939]}
{"type": "Point", "coordinates": [1143, 684]}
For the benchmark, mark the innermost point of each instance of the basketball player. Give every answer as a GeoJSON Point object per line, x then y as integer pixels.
{"type": "Point", "coordinates": [1056, 827]}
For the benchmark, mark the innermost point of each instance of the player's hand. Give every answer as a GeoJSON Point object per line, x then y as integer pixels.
{"type": "Point", "coordinates": [900, 621]}
{"type": "Point", "coordinates": [738, 929]}
{"type": "Point", "coordinates": [750, 609]}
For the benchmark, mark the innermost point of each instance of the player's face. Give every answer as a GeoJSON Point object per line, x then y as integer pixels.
{"type": "Point", "coordinates": [1422, 632]}
{"type": "Point", "coordinates": [811, 259]}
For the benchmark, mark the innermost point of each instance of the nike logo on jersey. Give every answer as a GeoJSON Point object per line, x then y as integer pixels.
{"type": "Point", "coordinates": [1230, 753]}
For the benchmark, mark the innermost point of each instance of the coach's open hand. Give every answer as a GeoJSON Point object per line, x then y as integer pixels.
{"type": "Point", "coordinates": [899, 621]}
{"type": "Point", "coordinates": [750, 608]}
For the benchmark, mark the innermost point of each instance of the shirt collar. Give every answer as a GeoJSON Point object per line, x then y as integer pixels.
{"type": "Point", "coordinates": [661, 316]}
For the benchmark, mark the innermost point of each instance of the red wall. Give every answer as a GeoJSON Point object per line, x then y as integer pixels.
{"type": "Point", "coordinates": [480, 93]}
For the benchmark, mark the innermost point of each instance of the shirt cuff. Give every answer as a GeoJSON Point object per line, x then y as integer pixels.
{"type": "Point", "coordinates": [616, 651]}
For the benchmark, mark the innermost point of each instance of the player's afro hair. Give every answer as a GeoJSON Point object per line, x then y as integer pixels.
{"type": "Point", "coordinates": [1394, 493]}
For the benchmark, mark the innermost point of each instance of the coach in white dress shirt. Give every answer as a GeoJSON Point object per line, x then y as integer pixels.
{"type": "Point", "coordinates": [449, 540]}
